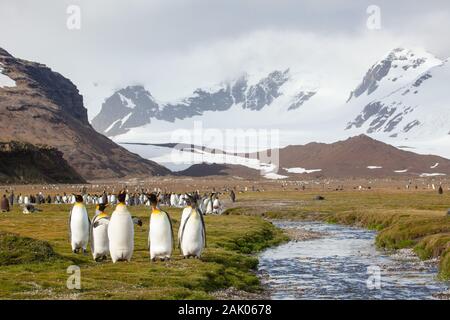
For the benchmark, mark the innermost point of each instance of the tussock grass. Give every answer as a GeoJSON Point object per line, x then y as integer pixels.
{"type": "Point", "coordinates": [15, 249]}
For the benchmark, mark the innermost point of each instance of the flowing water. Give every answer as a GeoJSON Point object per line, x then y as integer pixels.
{"type": "Point", "coordinates": [344, 264]}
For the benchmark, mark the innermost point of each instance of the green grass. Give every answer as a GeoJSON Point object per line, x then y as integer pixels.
{"type": "Point", "coordinates": [15, 249]}
{"type": "Point", "coordinates": [35, 259]}
{"type": "Point", "coordinates": [414, 219]}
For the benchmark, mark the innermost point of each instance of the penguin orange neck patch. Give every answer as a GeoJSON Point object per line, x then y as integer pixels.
{"type": "Point", "coordinates": [102, 215]}
{"type": "Point", "coordinates": [156, 211]}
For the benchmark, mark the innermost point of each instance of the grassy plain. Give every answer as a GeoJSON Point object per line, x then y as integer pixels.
{"type": "Point", "coordinates": [33, 261]}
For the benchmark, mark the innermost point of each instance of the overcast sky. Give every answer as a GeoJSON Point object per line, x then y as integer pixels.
{"type": "Point", "coordinates": [173, 46]}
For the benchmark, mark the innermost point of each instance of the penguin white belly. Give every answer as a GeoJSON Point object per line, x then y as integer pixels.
{"type": "Point", "coordinates": [79, 227]}
{"type": "Point", "coordinates": [160, 236]}
{"type": "Point", "coordinates": [121, 236]}
{"type": "Point", "coordinates": [192, 241]}
{"type": "Point", "coordinates": [100, 240]}
{"type": "Point", "coordinates": [216, 206]}
{"type": "Point", "coordinates": [209, 207]}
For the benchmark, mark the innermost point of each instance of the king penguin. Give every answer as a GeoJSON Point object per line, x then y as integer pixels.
{"type": "Point", "coordinates": [208, 204]}
{"type": "Point", "coordinates": [160, 238]}
{"type": "Point", "coordinates": [121, 232]}
{"type": "Point", "coordinates": [192, 232]}
{"type": "Point", "coordinates": [99, 234]}
{"type": "Point", "coordinates": [79, 225]}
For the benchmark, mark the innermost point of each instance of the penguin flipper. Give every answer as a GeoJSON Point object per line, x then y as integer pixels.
{"type": "Point", "coordinates": [203, 229]}
{"type": "Point", "coordinates": [171, 229]}
{"type": "Point", "coordinates": [69, 231]}
{"type": "Point", "coordinates": [90, 227]}
{"type": "Point", "coordinates": [91, 234]}
{"type": "Point", "coordinates": [182, 231]}
{"type": "Point", "coordinates": [148, 240]}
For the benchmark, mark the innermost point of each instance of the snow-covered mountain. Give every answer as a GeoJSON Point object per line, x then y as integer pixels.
{"type": "Point", "coordinates": [401, 93]}
{"type": "Point", "coordinates": [402, 100]}
{"type": "Point", "coordinates": [134, 107]}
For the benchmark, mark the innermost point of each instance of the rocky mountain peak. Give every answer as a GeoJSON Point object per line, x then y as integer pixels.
{"type": "Point", "coordinates": [45, 107]}
{"type": "Point", "coordinates": [398, 66]}
{"type": "Point", "coordinates": [410, 101]}
{"type": "Point", "coordinates": [133, 106]}
{"type": "Point", "coordinates": [37, 79]}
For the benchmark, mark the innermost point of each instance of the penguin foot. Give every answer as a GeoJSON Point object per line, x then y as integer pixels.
{"type": "Point", "coordinates": [153, 259]}
{"type": "Point", "coordinates": [75, 251]}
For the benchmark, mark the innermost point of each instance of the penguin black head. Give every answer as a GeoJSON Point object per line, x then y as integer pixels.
{"type": "Point", "coordinates": [191, 200]}
{"type": "Point", "coordinates": [153, 199]}
{"type": "Point", "coordinates": [102, 207]}
{"type": "Point", "coordinates": [121, 197]}
{"type": "Point", "coordinates": [78, 198]}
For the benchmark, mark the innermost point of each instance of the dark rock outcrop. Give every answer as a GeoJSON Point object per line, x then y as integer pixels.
{"type": "Point", "coordinates": [26, 163]}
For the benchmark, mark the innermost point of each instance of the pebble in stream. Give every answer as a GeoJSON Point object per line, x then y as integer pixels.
{"type": "Point", "coordinates": [336, 267]}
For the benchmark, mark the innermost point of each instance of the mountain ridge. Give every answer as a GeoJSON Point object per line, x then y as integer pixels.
{"type": "Point", "coordinates": [115, 118]}
{"type": "Point", "coordinates": [355, 157]}
{"type": "Point", "coordinates": [45, 107]}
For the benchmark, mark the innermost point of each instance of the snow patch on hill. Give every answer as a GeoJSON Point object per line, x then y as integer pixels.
{"type": "Point", "coordinates": [301, 170]}
{"type": "Point", "coordinates": [5, 81]}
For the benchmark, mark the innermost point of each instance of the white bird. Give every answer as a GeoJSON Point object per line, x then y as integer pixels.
{"type": "Point", "coordinates": [217, 206]}
{"type": "Point", "coordinates": [121, 233]}
{"type": "Point", "coordinates": [208, 205]}
{"type": "Point", "coordinates": [79, 225]}
{"type": "Point", "coordinates": [192, 232]}
{"type": "Point", "coordinates": [173, 200]}
{"type": "Point", "coordinates": [160, 235]}
{"type": "Point", "coordinates": [99, 234]}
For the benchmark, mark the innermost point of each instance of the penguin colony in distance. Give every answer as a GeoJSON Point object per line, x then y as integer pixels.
{"type": "Point", "coordinates": [115, 235]}
{"type": "Point", "coordinates": [79, 225]}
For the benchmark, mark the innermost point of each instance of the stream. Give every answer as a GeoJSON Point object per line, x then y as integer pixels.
{"type": "Point", "coordinates": [343, 263]}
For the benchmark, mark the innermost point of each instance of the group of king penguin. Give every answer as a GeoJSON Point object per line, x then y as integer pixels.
{"type": "Point", "coordinates": [114, 236]}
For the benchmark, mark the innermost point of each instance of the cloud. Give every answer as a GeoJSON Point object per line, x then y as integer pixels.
{"type": "Point", "coordinates": [174, 46]}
